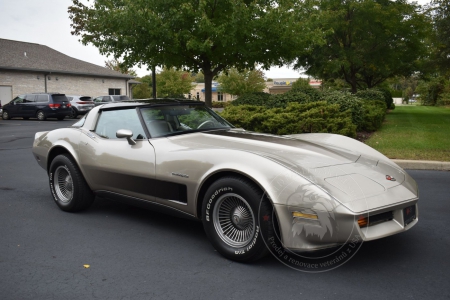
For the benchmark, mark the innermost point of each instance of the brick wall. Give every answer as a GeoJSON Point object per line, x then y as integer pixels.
{"type": "Point", "coordinates": [31, 82]}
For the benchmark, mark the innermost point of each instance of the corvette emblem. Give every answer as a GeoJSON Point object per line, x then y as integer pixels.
{"type": "Point", "coordinates": [388, 177]}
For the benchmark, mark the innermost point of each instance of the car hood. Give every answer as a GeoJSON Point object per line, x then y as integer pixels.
{"type": "Point", "coordinates": [345, 173]}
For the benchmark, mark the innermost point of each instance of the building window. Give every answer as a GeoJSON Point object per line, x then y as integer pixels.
{"type": "Point", "coordinates": [219, 96]}
{"type": "Point", "coordinates": [198, 96]}
{"type": "Point", "coordinates": [113, 91]}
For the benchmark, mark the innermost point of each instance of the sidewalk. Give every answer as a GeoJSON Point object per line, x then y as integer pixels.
{"type": "Point", "coordinates": [423, 164]}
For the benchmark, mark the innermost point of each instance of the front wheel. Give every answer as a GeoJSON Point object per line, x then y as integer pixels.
{"type": "Point", "coordinates": [68, 186]}
{"type": "Point", "coordinates": [5, 115]}
{"type": "Point", "coordinates": [233, 219]}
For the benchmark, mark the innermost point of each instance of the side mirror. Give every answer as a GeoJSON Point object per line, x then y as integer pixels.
{"type": "Point", "coordinates": [125, 133]}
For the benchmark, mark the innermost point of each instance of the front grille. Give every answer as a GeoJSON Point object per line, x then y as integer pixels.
{"type": "Point", "coordinates": [380, 218]}
{"type": "Point", "coordinates": [375, 219]}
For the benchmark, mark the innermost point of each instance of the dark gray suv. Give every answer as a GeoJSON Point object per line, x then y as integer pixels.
{"type": "Point", "coordinates": [38, 105]}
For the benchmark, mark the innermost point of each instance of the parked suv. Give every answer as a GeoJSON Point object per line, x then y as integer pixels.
{"type": "Point", "coordinates": [80, 105]}
{"type": "Point", "coordinates": [38, 105]}
{"type": "Point", "coordinates": [109, 99]}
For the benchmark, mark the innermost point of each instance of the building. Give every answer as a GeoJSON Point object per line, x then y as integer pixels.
{"type": "Point", "coordinates": [30, 68]}
{"type": "Point", "coordinates": [277, 86]}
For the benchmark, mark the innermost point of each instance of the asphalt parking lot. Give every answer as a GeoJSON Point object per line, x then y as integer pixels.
{"type": "Point", "coordinates": [115, 251]}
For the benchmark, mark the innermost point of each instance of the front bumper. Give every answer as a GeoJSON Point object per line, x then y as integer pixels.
{"type": "Point", "coordinates": [340, 225]}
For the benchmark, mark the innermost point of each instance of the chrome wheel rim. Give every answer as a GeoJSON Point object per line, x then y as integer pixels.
{"type": "Point", "coordinates": [63, 184]}
{"type": "Point", "coordinates": [40, 115]}
{"type": "Point", "coordinates": [5, 115]}
{"type": "Point", "coordinates": [234, 220]}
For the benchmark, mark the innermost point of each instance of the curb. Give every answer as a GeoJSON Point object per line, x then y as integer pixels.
{"type": "Point", "coordinates": [423, 164]}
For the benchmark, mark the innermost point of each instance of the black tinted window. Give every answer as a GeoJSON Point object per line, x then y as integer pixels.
{"type": "Point", "coordinates": [118, 98]}
{"type": "Point", "coordinates": [59, 98]}
{"type": "Point", "coordinates": [29, 98]}
{"type": "Point", "coordinates": [42, 98]}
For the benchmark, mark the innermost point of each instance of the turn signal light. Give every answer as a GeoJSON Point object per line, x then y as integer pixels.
{"type": "Point", "coordinates": [297, 214]}
{"type": "Point", "coordinates": [363, 221]}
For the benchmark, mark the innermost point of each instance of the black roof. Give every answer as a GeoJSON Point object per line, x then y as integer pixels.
{"type": "Point", "coordinates": [24, 56]}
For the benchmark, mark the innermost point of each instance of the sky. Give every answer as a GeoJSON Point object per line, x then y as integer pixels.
{"type": "Point", "coordinates": [46, 22]}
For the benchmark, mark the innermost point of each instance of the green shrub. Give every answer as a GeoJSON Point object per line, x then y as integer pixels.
{"type": "Point", "coordinates": [387, 96]}
{"type": "Point", "coordinates": [347, 101]}
{"type": "Point", "coordinates": [259, 98]}
{"type": "Point", "coordinates": [370, 94]}
{"type": "Point", "coordinates": [374, 113]}
{"type": "Point", "coordinates": [314, 94]}
{"type": "Point", "coordinates": [283, 100]}
{"type": "Point", "coordinates": [220, 104]}
{"type": "Point", "coordinates": [295, 118]}
{"type": "Point", "coordinates": [443, 99]}
{"type": "Point", "coordinates": [392, 106]}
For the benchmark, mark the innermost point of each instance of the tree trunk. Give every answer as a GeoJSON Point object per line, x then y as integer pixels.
{"type": "Point", "coordinates": [208, 87]}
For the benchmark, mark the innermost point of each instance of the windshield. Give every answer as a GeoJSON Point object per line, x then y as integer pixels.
{"type": "Point", "coordinates": [176, 119]}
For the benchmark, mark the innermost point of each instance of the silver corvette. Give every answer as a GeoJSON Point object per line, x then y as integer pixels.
{"type": "Point", "coordinates": [253, 192]}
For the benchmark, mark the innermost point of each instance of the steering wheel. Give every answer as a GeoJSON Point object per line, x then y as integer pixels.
{"type": "Point", "coordinates": [204, 124]}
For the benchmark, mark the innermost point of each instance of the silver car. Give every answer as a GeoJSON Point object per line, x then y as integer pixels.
{"type": "Point", "coordinates": [253, 192]}
{"type": "Point", "coordinates": [80, 105]}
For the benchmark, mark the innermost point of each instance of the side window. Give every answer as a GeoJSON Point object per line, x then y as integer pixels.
{"type": "Point", "coordinates": [42, 98]}
{"type": "Point", "coordinates": [29, 98]}
{"type": "Point", "coordinates": [98, 99]}
{"type": "Point", "coordinates": [19, 99]}
{"type": "Point", "coordinates": [106, 99]}
{"type": "Point", "coordinates": [112, 120]}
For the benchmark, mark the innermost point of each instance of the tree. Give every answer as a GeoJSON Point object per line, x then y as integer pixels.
{"type": "Point", "coordinates": [199, 77]}
{"type": "Point", "coordinates": [206, 35]}
{"type": "Point", "coordinates": [173, 83]}
{"type": "Point", "coordinates": [238, 83]}
{"type": "Point", "coordinates": [143, 90]}
{"type": "Point", "coordinates": [366, 42]}
{"type": "Point", "coordinates": [116, 65]}
{"type": "Point", "coordinates": [440, 40]}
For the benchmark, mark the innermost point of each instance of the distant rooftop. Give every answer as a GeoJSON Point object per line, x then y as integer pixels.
{"type": "Point", "coordinates": [24, 56]}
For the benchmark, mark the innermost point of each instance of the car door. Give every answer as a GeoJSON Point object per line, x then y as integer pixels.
{"type": "Point", "coordinates": [29, 105]}
{"type": "Point", "coordinates": [15, 106]}
{"type": "Point", "coordinates": [113, 165]}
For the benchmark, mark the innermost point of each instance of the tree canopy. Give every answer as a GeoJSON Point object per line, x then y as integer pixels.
{"type": "Point", "coordinates": [366, 41]}
{"type": "Point", "coordinates": [238, 83]}
{"type": "Point", "coordinates": [173, 83]}
{"type": "Point", "coordinates": [117, 65]}
{"type": "Point", "coordinates": [206, 35]}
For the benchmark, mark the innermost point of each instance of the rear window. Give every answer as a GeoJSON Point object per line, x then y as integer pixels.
{"type": "Point", "coordinates": [118, 98]}
{"type": "Point", "coordinates": [59, 98]}
{"type": "Point", "coordinates": [85, 98]}
{"type": "Point", "coordinates": [70, 98]}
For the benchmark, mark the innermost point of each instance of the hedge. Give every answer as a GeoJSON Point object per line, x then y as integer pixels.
{"type": "Point", "coordinates": [295, 118]}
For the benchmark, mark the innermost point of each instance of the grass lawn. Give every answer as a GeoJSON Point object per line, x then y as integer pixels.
{"type": "Point", "coordinates": [414, 132]}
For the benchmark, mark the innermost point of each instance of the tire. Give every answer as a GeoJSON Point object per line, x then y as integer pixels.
{"type": "Point", "coordinates": [237, 234]}
{"type": "Point", "coordinates": [73, 114]}
{"type": "Point", "coordinates": [40, 115]}
{"type": "Point", "coordinates": [5, 115]}
{"type": "Point", "coordinates": [68, 186]}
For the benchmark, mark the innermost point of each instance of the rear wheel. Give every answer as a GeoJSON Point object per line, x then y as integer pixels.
{"type": "Point", "coordinates": [5, 115]}
{"type": "Point", "coordinates": [73, 114]}
{"type": "Point", "coordinates": [40, 115]}
{"type": "Point", "coordinates": [68, 186]}
{"type": "Point", "coordinates": [233, 219]}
